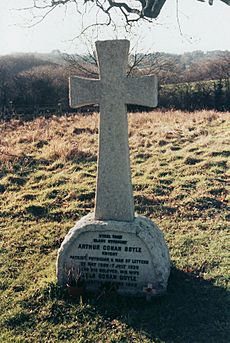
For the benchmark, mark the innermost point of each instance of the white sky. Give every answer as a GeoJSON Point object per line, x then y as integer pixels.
{"type": "Point", "coordinates": [203, 27]}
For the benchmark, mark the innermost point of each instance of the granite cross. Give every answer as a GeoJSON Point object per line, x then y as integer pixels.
{"type": "Point", "coordinates": [114, 196]}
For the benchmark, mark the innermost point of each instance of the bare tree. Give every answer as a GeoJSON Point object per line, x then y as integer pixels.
{"type": "Point", "coordinates": [131, 10]}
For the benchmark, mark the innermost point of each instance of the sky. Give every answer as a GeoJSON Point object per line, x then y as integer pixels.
{"type": "Point", "coordinates": [195, 26]}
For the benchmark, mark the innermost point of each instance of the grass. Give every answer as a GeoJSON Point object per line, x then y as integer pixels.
{"type": "Point", "coordinates": [180, 176]}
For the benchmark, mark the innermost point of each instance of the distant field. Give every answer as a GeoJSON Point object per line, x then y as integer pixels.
{"type": "Point", "coordinates": [180, 171]}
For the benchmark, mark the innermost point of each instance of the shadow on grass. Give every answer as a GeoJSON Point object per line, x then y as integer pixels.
{"type": "Point", "coordinates": [193, 310]}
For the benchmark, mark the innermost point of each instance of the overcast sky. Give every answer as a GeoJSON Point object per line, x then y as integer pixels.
{"type": "Point", "coordinates": [203, 27]}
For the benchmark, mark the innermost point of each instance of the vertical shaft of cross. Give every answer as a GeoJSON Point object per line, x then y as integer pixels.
{"type": "Point", "coordinates": [114, 197]}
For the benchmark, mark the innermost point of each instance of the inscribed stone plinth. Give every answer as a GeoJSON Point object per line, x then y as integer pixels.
{"type": "Point", "coordinates": [130, 256]}
{"type": "Point", "coordinates": [111, 246]}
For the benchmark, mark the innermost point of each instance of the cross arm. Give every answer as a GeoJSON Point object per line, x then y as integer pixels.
{"type": "Point", "coordinates": [83, 91]}
{"type": "Point", "coordinates": [141, 90]}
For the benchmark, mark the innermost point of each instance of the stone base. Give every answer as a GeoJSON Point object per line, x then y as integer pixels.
{"type": "Point", "coordinates": [131, 257]}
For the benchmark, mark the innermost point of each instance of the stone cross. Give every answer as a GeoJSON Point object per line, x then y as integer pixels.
{"type": "Point", "coordinates": [114, 197]}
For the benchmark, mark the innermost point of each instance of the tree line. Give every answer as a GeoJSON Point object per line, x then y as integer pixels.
{"type": "Point", "coordinates": [34, 84]}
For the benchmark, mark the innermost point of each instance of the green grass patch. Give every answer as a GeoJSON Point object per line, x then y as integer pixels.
{"type": "Point", "coordinates": [180, 166]}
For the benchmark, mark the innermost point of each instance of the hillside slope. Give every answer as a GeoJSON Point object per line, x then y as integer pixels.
{"type": "Point", "coordinates": [47, 181]}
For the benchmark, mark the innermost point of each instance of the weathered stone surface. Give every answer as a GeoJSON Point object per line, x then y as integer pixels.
{"type": "Point", "coordinates": [131, 256]}
{"type": "Point", "coordinates": [114, 196]}
{"type": "Point", "coordinates": [112, 247]}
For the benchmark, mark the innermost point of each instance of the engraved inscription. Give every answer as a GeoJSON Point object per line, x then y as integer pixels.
{"type": "Point", "coordinates": [122, 259]}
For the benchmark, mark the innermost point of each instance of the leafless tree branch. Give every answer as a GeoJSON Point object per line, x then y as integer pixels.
{"type": "Point", "coordinates": [131, 10]}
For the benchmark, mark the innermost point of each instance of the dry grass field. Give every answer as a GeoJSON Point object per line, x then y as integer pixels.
{"type": "Point", "coordinates": [180, 178]}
